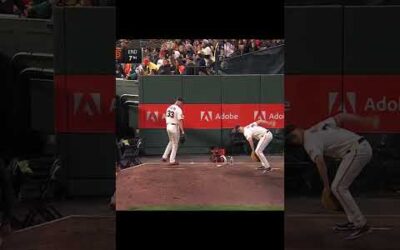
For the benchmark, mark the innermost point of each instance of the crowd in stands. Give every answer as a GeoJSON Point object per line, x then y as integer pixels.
{"type": "Point", "coordinates": [185, 57]}
{"type": "Point", "coordinates": [43, 8]}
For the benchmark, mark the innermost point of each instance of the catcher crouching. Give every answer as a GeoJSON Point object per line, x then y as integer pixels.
{"type": "Point", "coordinates": [328, 138]}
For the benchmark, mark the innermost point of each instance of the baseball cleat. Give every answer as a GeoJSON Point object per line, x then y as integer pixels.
{"type": "Point", "coordinates": [358, 232]}
{"type": "Point", "coordinates": [173, 163]}
{"type": "Point", "coordinates": [343, 227]}
{"type": "Point", "coordinates": [265, 169]}
{"type": "Point", "coordinates": [163, 160]}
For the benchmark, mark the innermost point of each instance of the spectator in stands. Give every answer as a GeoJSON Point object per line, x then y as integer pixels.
{"type": "Point", "coordinates": [190, 66]}
{"type": "Point", "coordinates": [201, 64]}
{"type": "Point", "coordinates": [132, 75]}
{"type": "Point", "coordinates": [229, 48]}
{"type": "Point", "coordinates": [242, 47]}
{"type": "Point", "coordinates": [149, 67]}
{"type": "Point", "coordinates": [189, 50]}
{"type": "Point", "coordinates": [154, 55]}
{"type": "Point", "coordinates": [202, 53]}
{"type": "Point", "coordinates": [181, 50]}
{"type": "Point", "coordinates": [176, 54]}
{"type": "Point", "coordinates": [181, 67]}
{"type": "Point", "coordinates": [198, 47]}
{"type": "Point", "coordinates": [253, 46]}
{"type": "Point", "coordinates": [119, 72]}
{"type": "Point", "coordinates": [160, 62]}
{"type": "Point", "coordinates": [174, 69]}
{"type": "Point", "coordinates": [40, 9]}
{"type": "Point", "coordinates": [258, 43]}
{"type": "Point", "coordinates": [165, 68]}
{"type": "Point", "coordinates": [139, 70]}
{"type": "Point", "coordinates": [127, 68]}
{"type": "Point", "coordinates": [207, 52]}
{"type": "Point", "coordinates": [7, 7]}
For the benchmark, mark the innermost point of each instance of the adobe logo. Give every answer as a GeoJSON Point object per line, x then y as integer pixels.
{"type": "Point", "coordinates": [89, 104]}
{"type": "Point", "coordinates": [336, 104]}
{"type": "Point", "coordinates": [206, 116]}
{"type": "Point", "coordinates": [154, 116]}
{"type": "Point", "coordinates": [260, 115]}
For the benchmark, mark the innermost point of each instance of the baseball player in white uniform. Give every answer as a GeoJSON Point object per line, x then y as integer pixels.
{"type": "Point", "coordinates": [328, 138]}
{"type": "Point", "coordinates": [264, 137]}
{"type": "Point", "coordinates": [174, 121]}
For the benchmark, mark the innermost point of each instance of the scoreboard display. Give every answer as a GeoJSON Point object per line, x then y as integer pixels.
{"type": "Point", "coordinates": [125, 55]}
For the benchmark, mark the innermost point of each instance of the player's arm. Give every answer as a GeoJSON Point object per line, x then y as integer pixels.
{"type": "Point", "coordinates": [320, 162]}
{"type": "Point", "coordinates": [180, 121]}
{"type": "Point", "coordinates": [345, 118]}
{"type": "Point", "coordinates": [181, 126]}
{"type": "Point", "coordinates": [251, 142]}
{"type": "Point", "coordinates": [264, 122]}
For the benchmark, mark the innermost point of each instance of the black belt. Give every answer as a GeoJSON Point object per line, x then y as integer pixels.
{"type": "Point", "coordinates": [172, 124]}
{"type": "Point", "coordinates": [359, 141]}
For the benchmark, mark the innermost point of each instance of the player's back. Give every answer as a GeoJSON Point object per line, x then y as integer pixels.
{"type": "Point", "coordinates": [254, 130]}
{"type": "Point", "coordinates": [336, 141]}
{"type": "Point", "coordinates": [173, 114]}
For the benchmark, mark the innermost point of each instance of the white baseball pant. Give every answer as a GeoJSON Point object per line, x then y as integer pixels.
{"type": "Point", "coordinates": [262, 144]}
{"type": "Point", "coordinates": [350, 167]}
{"type": "Point", "coordinates": [172, 147]}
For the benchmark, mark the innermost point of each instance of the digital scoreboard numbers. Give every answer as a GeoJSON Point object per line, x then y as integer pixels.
{"type": "Point", "coordinates": [133, 56]}
{"type": "Point", "coordinates": [128, 55]}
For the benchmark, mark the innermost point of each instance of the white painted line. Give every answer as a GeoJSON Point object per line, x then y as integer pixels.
{"type": "Point", "coordinates": [174, 168]}
{"type": "Point", "coordinates": [202, 163]}
{"type": "Point", "coordinates": [190, 164]}
{"type": "Point", "coordinates": [276, 169]}
{"type": "Point", "coordinates": [137, 166]}
{"type": "Point", "coordinates": [62, 219]}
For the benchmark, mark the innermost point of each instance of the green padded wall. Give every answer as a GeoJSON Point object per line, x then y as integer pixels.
{"type": "Point", "coordinates": [241, 89]}
{"type": "Point", "coordinates": [235, 89]}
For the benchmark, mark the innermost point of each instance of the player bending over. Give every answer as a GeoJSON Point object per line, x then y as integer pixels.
{"type": "Point", "coordinates": [174, 122]}
{"type": "Point", "coordinates": [328, 138]}
{"type": "Point", "coordinates": [264, 137]}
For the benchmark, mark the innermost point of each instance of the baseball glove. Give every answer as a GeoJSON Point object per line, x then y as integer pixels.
{"type": "Point", "coordinates": [330, 202]}
{"type": "Point", "coordinates": [182, 139]}
{"type": "Point", "coordinates": [254, 156]}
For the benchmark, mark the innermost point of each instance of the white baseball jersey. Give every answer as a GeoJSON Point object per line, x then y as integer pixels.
{"type": "Point", "coordinates": [173, 114]}
{"type": "Point", "coordinates": [326, 138]}
{"type": "Point", "coordinates": [254, 131]}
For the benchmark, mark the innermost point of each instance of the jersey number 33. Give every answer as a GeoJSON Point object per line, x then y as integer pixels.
{"type": "Point", "coordinates": [170, 113]}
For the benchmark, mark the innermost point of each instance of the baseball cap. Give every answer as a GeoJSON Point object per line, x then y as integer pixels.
{"type": "Point", "coordinates": [235, 130]}
{"type": "Point", "coordinates": [179, 99]}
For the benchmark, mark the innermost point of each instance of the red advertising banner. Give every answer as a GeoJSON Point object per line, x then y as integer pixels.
{"type": "Point", "coordinates": [307, 98]}
{"type": "Point", "coordinates": [213, 116]}
{"type": "Point", "coordinates": [310, 99]}
{"type": "Point", "coordinates": [85, 103]}
{"type": "Point", "coordinates": [377, 95]}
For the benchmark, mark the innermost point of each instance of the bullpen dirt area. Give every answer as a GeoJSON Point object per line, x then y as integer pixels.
{"type": "Point", "coordinates": [72, 232]}
{"type": "Point", "coordinates": [198, 184]}
{"type": "Point", "coordinates": [309, 227]}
